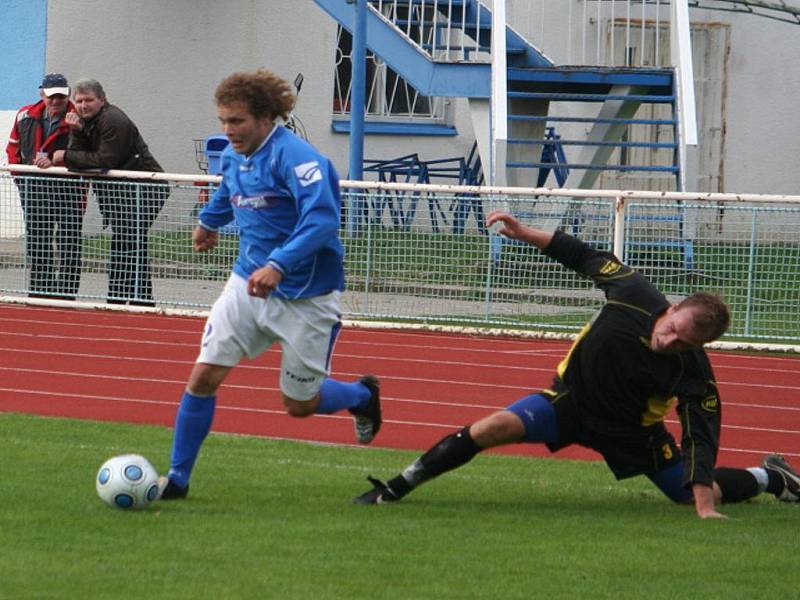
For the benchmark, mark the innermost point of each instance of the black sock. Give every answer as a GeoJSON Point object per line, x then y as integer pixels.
{"type": "Point", "coordinates": [451, 452]}
{"type": "Point", "coordinates": [736, 484]}
{"type": "Point", "coordinates": [776, 483]}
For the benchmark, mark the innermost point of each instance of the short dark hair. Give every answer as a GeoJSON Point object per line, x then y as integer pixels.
{"type": "Point", "coordinates": [264, 93]}
{"type": "Point", "coordinates": [712, 317]}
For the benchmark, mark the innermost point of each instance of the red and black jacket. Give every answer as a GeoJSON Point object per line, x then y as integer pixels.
{"type": "Point", "coordinates": [27, 136]}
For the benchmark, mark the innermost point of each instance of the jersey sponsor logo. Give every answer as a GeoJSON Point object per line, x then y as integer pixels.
{"type": "Point", "coordinates": [254, 202]}
{"type": "Point", "coordinates": [610, 267]}
{"type": "Point", "coordinates": [710, 404]}
{"type": "Point", "coordinates": [308, 173]}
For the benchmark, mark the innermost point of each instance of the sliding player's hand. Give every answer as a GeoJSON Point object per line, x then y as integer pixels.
{"type": "Point", "coordinates": [203, 239]}
{"type": "Point", "coordinates": [262, 282]}
{"type": "Point", "coordinates": [507, 225]}
{"type": "Point", "coordinates": [704, 502]}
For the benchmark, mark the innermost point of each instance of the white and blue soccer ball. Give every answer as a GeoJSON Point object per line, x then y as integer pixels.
{"type": "Point", "coordinates": [127, 482]}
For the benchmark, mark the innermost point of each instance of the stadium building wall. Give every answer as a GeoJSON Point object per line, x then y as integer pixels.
{"type": "Point", "coordinates": [160, 62]}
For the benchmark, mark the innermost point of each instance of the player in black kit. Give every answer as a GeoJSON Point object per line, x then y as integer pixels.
{"type": "Point", "coordinates": [636, 359]}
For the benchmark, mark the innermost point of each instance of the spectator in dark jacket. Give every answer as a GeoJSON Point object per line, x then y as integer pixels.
{"type": "Point", "coordinates": [103, 137]}
{"type": "Point", "coordinates": [53, 206]}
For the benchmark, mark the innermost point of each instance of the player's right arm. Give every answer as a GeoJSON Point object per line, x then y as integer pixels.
{"type": "Point", "coordinates": [217, 213]}
{"type": "Point", "coordinates": [513, 229]}
{"type": "Point", "coordinates": [204, 239]}
{"type": "Point", "coordinates": [605, 269]}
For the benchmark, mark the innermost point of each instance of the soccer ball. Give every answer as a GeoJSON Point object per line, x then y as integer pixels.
{"type": "Point", "coordinates": [127, 481]}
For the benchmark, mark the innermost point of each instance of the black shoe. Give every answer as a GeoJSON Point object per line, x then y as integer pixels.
{"type": "Point", "coordinates": [368, 419]}
{"type": "Point", "coordinates": [379, 494]}
{"type": "Point", "coordinates": [170, 490]}
{"type": "Point", "coordinates": [791, 479]}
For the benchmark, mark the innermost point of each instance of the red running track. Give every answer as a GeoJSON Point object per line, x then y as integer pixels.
{"type": "Point", "coordinates": [117, 366]}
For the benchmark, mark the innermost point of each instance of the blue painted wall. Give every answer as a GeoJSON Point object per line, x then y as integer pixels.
{"type": "Point", "coordinates": [23, 39]}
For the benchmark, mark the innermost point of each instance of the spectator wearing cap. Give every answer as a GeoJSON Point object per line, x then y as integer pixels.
{"type": "Point", "coordinates": [53, 206]}
{"type": "Point", "coordinates": [104, 137]}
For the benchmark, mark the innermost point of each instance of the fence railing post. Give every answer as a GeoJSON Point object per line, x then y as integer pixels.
{"type": "Point", "coordinates": [751, 273]}
{"type": "Point", "coordinates": [619, 227]}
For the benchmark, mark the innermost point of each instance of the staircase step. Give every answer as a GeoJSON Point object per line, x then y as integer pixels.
{"type": "Point", "coordinates": [559, 97]}
{"type": "Point", "coordinates": [440, 25]}
{"type": "Point", "coordinates": [468, 50]}
{"type": "Point", "coordinates": [427, 3]}
{"type": "Point", "coordinates": [606, 167]}
{"type": "Point", "coordinates": [611, 121]}
{"type": "Point", "coordinates": [523, 142]}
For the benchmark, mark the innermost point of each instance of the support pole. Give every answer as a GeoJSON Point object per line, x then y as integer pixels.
{"type": "Point", "coordinates": [357, 113]}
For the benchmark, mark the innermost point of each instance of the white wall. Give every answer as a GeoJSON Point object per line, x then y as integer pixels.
{"type": "Point", "coordinates": [763, 131]}
{"type": "Point", "coordinates": [160, 61]}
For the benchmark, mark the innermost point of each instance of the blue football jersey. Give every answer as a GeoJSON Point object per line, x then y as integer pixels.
{"type": "Point", "coordinates": [285, 200]}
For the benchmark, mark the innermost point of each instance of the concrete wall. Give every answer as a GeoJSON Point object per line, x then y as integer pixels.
{"type": "Point", "coordinates": [761, 133]}
{"type": "Point", "coordinates": [763, 130]}
{"type": "Point", "coordinates": [160, 61]}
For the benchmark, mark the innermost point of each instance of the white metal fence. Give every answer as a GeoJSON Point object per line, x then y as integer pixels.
{"type": "Point", "coordinates": [422, 252]}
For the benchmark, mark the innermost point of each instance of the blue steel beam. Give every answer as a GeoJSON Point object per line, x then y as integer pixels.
{"type": "Point", "coordinates": [426, 76]}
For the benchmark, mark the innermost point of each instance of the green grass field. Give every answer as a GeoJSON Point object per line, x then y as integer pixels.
{"type": "Point", "coordinates": [272, 519]}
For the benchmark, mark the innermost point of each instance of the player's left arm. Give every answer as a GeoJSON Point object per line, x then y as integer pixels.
{"type": "Point", "coordinates": [700, 413]}
{"type": "Point", "coordinates": [315, 187]}
{"type": "Point", "coordinates": [704, 502]}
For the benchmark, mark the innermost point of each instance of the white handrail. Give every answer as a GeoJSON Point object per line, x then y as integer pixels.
{"type": "Point", "coordinates": [430, 187]}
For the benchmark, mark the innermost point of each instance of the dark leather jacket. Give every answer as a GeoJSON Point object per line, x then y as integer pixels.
{"type": "Point", "coordinates": [109, 140]}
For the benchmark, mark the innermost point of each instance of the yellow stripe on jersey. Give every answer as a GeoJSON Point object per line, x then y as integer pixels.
{"type": "Point", "coordinates": [657, 409]}
{"type": "Point", "coordinates": [562, 366]}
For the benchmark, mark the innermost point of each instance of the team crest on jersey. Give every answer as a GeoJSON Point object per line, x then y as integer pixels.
{"type": "Point", "coordinates": [610, 267]}
{"type": "Point", "coordinates": [308, 173]}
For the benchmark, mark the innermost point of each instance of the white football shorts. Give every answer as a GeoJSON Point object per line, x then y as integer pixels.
{"type": "Point", "coordinates": [243, 325]}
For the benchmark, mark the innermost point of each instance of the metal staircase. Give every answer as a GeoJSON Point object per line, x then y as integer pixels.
{"type": "Point", "coordinates": [590, 108]}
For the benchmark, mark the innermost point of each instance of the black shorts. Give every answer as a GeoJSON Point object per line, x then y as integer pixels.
{"type": "Point", "coordinates": [628, 450]}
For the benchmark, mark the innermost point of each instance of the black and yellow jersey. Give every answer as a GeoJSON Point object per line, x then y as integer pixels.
{"type": "Point", "coordinates": [618, 387]}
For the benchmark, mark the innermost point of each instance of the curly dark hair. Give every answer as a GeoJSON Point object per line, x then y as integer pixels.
{"type": "Point", "coordinates": [264, 93]}
{"type": "Point", "coordinates": [712, 316]}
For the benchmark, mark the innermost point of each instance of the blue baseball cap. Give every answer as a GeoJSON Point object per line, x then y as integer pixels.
{"type": "Point", "coordinates": [54, 83]}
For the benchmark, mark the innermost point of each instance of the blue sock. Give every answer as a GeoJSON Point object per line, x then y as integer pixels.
{"type": "Point", "coordinates": [192, 424]}
{"type": "Point", "coordinates": [337, 395]}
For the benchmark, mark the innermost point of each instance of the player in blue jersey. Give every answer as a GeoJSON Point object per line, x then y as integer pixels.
{"type": "Point", "coordinates": [286, 282]}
